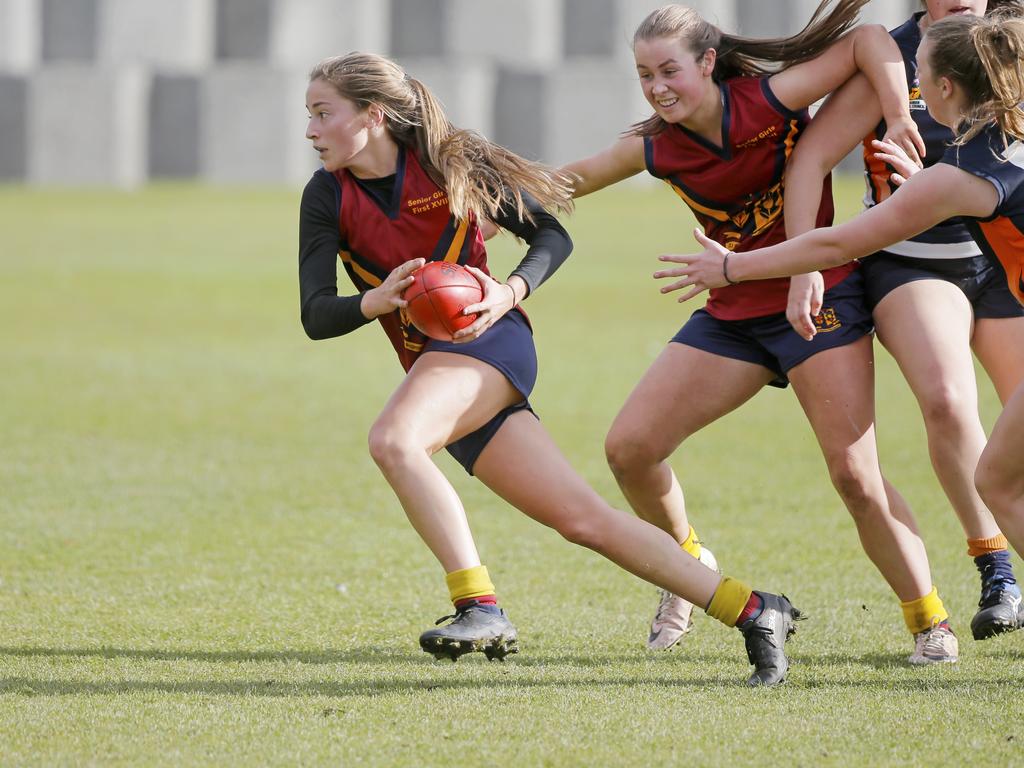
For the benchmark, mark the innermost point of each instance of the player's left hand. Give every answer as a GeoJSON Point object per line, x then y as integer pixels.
{"type": "Point", "coordinates": [498, 299]}
{"type": "Point", "coordinates": [905, 135]}
{"type": "Point", "coordinates": [699, 271]}
{"type": "Point", "coordinates": [899, 160]}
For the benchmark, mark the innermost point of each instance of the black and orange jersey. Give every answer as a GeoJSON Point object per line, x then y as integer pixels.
{"type": "Point", "coordinates": [735, 190]}
{"type": "Point", "coordinates": [377, 225]}
{"type": "Point", "coordinates": [1001, 235]}
{"type": "Point", "coordinates": [950, 239]}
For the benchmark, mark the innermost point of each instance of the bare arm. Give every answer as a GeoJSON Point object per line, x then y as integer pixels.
{"type": "Point", "coordinates": [928, 197]}
{"type": "Point", "coordinates": [868, 49]}
{"type": "Point", "coordinates": [842, 122]}
{"type": "Point", "coordinates": [621, 160]}
{"type": "Point", "coordinates": [846, 117]}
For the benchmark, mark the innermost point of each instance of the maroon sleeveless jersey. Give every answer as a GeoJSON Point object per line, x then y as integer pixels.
{"type": "Point", "coordinates": [378, 235]}
{"type": "Point", "coordinates": [735, 191]}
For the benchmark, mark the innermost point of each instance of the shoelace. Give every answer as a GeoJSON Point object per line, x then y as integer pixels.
{"type": "Point", "coordinates": [458, 612]}
{"type": "Point", "coordinates": [663, 605]}
{"type": "Point", "coordinates": [931, 641]}
{"type": "Point", "coordinates": [993, 583]}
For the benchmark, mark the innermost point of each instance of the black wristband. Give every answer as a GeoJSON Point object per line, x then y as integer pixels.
{"type": "Point", "coordinates": [725, 270]}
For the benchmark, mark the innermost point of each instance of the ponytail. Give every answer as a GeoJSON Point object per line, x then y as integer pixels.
{"type": "Point", "coordinates": [480, 177]}
{"type": "Point", "coordinates": [985, 57]}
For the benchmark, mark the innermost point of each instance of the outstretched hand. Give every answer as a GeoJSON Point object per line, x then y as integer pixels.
{"type": "Point", "coordinates": [897, 158]}
{"type": "Point", "coordinates": [387, 297]}
{"type": "Point", "coordinates": [905, 136]}
{"type": "Point", "coordinates": [498, 299]}
{"type": "Point", "coordinates": [699, 271]}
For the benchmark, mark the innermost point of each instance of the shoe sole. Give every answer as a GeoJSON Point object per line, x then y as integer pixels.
{"type": "Point", "coordinates": [493, 648]}
{"type": "Point", "coordinates": [923, 662]}
{"type": "Point", "coordinates": [995, 628]}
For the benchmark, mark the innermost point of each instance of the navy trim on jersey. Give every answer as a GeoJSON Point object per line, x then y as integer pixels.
{"type": "Point", "coordinates": [724, 151]}
{"type": "Point", "coordinates": [782, 109]}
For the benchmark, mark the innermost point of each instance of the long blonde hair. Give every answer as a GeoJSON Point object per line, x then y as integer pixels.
{"type": "Point", "coordinates": [985, 56]}
{"type": "Point", "coordinates": [478, 175]}
{"type": "Point", "coordinates": [739, 56]}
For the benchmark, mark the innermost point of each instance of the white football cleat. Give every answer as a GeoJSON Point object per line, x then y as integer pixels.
{"type": "Point", "coordinates": [673, 618]}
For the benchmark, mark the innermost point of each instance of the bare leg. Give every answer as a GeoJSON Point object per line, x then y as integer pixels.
{"type": "Point", "coordinates": [927, 326]}
{"type": "Point", "coordinates": [836, 390]}
{"type": "Point", "coordinates": [444, 397]}
{"type": "Point", "coordinates": [999, 345]}
{"type": "Point", "coordinates": [684, 390]}
{"type": "Point", "coordinates": [1000, 474]}
{"type": "Point", "coordinates": [522, 465]}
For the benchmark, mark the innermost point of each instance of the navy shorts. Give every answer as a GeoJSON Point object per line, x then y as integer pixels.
{"type": "Point", "coordinates": [770, 341]}
{"type": "Point", "coordinates": [982, 282]}
{"type": "Point", "coordinates": [508, 346]}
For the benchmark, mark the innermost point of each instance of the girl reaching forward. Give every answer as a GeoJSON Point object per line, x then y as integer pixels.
{"type": "Point", "coordinates": [722, 130]}
{"type": "Point", "coordinates": [972, 79]}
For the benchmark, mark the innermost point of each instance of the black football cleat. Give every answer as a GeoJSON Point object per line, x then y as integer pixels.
{"type": "Point", "coordinates": [765, 637]}
{"type": "Point", "coordinates": [999, 610]}
{"type": "Point", "coordinates": [473, 627]}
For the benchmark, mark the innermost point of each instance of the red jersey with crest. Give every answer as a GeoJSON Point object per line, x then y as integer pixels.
{"type": "Point", "coordinates": [378, 235]}
{"type": "Point", "coordinates": [735, 191]}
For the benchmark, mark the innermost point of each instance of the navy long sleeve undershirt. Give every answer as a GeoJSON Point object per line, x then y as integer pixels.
{"type": "Point", "coordinates": [325, 314]}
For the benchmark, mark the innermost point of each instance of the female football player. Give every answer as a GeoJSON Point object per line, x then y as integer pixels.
{"type": "Point", "coordinates": [400, 186]}
{"type": "Point", "coordinates": [722, 131]}
{"type": "Point", "coordinates": [972, 79]}
{"type": "Point", "coordinates": [933, 298]}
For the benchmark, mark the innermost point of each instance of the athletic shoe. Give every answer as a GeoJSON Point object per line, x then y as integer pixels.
{"type": "Point", "coordinates": [473, 627]}
{"type": "Point", "coordinates": [765, 635]}
{"type": "Point", "coordinates": [1000, 608]}
{"type": "Point", "coordinates": [673, 618]}
{"type": "Point", "coordinates": [936, 645]}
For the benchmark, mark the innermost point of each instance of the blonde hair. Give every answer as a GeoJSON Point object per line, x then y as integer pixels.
{"type": "Point", "coordinates": [985, 56]}
{"type": "Point", "coordinates": [743, 56]}
{"type": "Point", "coordinates": [479, 176]}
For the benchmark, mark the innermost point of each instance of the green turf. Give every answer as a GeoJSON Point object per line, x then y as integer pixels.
{"type": "Point", "coordinates": [199, 563]}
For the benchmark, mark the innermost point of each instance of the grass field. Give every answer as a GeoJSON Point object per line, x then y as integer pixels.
{"type": "Point", "coordinates": [200, 564]}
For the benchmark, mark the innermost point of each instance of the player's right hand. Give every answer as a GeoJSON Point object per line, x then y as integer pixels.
{"type": "Point", "coordinates": [387, 297]}
{"type": "Point", "coordinates": [900, 161]}
{"type": "Point", "coordinates": [806, 292]}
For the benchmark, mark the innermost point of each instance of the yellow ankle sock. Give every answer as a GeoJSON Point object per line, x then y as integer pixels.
{"type": "Point", "coordinates": [692, 544]}
{"type": "Point", "coordinates": [469, 583]}
{"type": "Point", "coordinates": [922, 613]}
{"type": "Point", "coordinates": [729, 601]}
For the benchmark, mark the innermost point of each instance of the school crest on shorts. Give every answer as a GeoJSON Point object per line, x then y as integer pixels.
{"type": "Point", "coordinates": [827, 320]}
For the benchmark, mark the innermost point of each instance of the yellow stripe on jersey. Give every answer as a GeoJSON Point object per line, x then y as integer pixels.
{"type": "Point", "coordinates": [712, 212]}
{"type": "Point", "coordinates": [790, 140]}
{"type": "Point", "coordinates": [456, 247]}
{"type": "Point", "coordinates": [370, 278]}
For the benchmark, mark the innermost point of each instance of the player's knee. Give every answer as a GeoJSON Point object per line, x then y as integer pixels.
{"type": "Point", "coordinates": [627, 453]}
{"type": "Point", "coordinates": [999, 486]}
{"type": "Point", "coordinates": [850, 482]}
{"type": "Point", "coordinates": [946, 409]}
{"type": "Point", "coordinates": [389, 443]}
{"type": "Point", "coordinates": [578, 526]}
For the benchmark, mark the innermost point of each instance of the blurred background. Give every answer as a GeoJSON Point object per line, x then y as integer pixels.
{"type": "Point", "coordinates": [120, 92]}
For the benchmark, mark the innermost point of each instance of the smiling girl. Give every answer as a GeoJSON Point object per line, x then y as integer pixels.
{"type": "Point", "coordinates": [723, 127]}
{"type": "Point", "coordinates": [971, 73]}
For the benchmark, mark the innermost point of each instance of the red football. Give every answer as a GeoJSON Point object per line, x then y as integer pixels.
{"type": "Point", "coordinates": [437, 297]}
